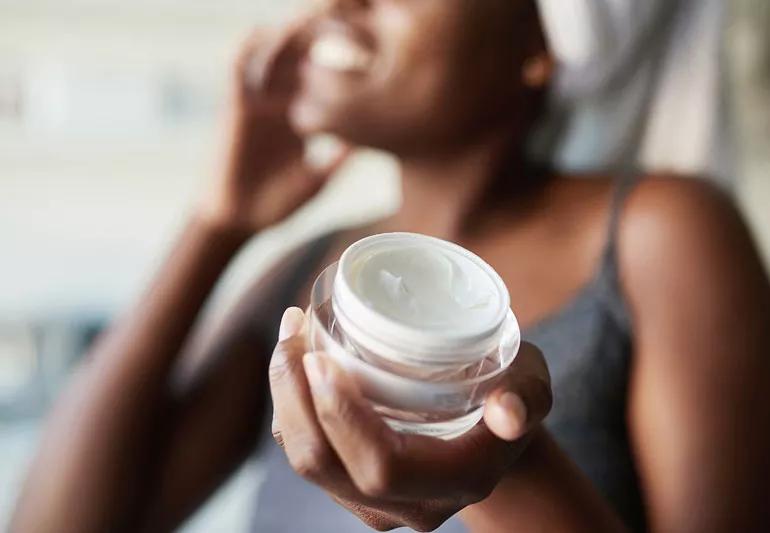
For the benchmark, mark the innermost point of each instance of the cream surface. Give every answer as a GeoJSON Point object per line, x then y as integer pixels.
{"type": "Point", "coordinates": [426, 287]}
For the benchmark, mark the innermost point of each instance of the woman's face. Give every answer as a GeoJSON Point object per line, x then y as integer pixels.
{"type": "Point", "coordinates": [406, 75]}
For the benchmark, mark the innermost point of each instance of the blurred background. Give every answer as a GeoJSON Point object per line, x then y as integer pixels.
{"type": "Point", "coordinates": [108, 130]}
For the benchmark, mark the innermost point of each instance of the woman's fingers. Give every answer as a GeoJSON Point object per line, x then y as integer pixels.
{"type": "Point", "coordinates": [390, 466]}
{"type": "Point", "coordinates": [367, 447]}
{"type": "Point", "coordinates": [295, 425]}
{"type": "Point", "coordinates": [269, 58]}
{"type": "Point", "coordinates": [506, 416]}
{"type": "Point", "coordinates": [282, 71]}
{"type": "Point", "coordinates": [267, 68]}
{"type": "Point", "coordinates": [523, 399]}
{"type": "Point", "coordinates": [292, 324]}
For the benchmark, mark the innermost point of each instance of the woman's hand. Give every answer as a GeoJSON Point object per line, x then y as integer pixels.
{"type": "Point", "coordinates": [333, 437]}
{"type": "Point", "coordinates": [264, 176]}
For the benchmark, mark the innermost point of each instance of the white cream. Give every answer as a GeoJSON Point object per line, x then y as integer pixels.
{"type": "Point", "coordinates": [426, 286]}
{"type": "Point", "coordinates": [338, 52]}
{"type": "Point", "coordinates": [409, 296]}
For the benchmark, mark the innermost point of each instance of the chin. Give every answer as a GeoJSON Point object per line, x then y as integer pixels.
{"type": "Point", "coordinates": [351, 121]}
{"type": "Point", "coordinates": [311, 118]}
{"type": "Point", "coordinates": [309, 115]}
{"type": "Point", "coordinates": [306, 119]}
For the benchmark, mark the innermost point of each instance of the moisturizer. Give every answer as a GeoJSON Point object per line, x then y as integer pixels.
{"type": "Point", "coordinates": [422, 325]}
{"type": "Point", "coordinates": [425, 287]}
{"type": "Point", "coordinates": [419, 298]}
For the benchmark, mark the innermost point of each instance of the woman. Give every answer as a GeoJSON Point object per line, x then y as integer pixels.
{"type": "Point", "coordinates": [646, 296]}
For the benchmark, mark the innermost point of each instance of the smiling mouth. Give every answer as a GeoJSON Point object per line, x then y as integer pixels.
{"type": "Point", "coordinates": [333, 51]}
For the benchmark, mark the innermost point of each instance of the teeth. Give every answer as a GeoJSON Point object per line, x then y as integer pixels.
{"type": "Point", "coordinates": [337, 52]}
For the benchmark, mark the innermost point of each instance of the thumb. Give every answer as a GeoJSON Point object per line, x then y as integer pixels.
{"type": "Point", "coordinates": [292, 323]}
{"type": "Point", "coordinates": [506, 416]}
{"type": "Point", "coordinates": [523, 399]}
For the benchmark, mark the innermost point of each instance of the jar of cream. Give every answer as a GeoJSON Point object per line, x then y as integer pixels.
{"type": "Point", "coordinates": [423, 326]}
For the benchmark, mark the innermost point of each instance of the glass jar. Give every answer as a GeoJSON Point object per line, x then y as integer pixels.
{"type": "Point", "coordinates": [423, 326]}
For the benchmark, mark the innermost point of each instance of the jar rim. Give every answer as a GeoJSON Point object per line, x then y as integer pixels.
{"type": "Point", "coordinates": [370, 327]}
{"type": "Point", "coordinates": [321, 293]}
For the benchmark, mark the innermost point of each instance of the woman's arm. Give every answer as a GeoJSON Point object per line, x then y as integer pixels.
{"type": "Point", "coordinates": [171, 425]}
{"type": "Point", "coordinates": [543, 492]}
{"type": "Point", "coordinates": [126, 447]}
{"type": "Point", "coordinates": [699, 415]}
{"type": "Point", "coordinates": [700, 424]}
{"type": "Point", "coordinates": [96, 452]}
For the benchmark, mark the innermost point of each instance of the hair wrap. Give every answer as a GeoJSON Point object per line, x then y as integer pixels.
{"type": "Point", "coordinates": [638, 86]}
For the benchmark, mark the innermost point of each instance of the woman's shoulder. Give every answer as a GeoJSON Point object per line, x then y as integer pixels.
{"type": "Point", "coordinates": [653, 211]}
{"type": "Point", "coordinates": [672, 195]}
{"type": "Point", "coordinates": [666, 218]}
{"type": "Point", "coordinates": [677, 234]}
{"type": "Point", "coordinates": [671, 213]}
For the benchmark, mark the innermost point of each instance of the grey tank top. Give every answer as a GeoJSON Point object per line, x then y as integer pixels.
{"type": "Point", "coordinates": [588, 346]}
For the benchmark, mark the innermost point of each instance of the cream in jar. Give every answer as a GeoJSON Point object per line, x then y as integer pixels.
{"type": "Point", "coordinates": [424, 326]}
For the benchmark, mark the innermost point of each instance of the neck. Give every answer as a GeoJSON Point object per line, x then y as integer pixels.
{"type": "Point", "coordinates": [446, 194]}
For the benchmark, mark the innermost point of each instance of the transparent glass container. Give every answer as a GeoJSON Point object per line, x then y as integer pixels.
{"type": "Point", "coordinates": [414, 392]}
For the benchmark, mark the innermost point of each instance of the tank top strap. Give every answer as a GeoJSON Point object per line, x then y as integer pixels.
{"type": "Point", "coordinates": [305, 265]}
{"type": "Point", "coordinates": [608, 276]}
{"type": "Point", "coordinates": [294, 275]}
{"type": "Point", "coordinates": [624, 185]}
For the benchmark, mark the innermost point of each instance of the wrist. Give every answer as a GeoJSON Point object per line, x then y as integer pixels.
{"type": "Point", "coordinates": [218, 218]}
{"type": "Point", "coordinates": [221, 229]}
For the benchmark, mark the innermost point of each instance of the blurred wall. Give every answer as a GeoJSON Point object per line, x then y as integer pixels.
{"type": "Point", "coordinates": [748, 39]}
{"type": "Point", "coordinates": [115, 130]}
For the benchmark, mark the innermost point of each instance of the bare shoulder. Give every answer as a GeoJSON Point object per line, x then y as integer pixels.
{"type": "Point", "coordinates": [699, 299]}
{"type": "Point", "coordinates": [678, 201]}
{"type": "Point", "coordinates": [677, 216]}
{"type": "Point", "coordinates": [686, 237]}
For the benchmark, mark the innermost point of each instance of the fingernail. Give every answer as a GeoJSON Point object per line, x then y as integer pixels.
{"type": "Point", "coordinates": [291, 324]}
{"type": "Point", "coordinates": [315, 370]}
{"type": "Point", "coordinates": [515, 410]}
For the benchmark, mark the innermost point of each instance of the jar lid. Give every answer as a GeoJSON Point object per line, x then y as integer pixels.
{"type": "Point", "coordinates": [418, 299]}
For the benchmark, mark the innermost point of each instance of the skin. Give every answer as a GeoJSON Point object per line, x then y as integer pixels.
{"type": "Point", "coordinates": [140, 436]}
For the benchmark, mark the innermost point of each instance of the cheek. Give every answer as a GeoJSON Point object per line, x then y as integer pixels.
{"type": "Point", "coordinates": [428, 82]}
{"type": "Point", "coordinates": [419, 48]}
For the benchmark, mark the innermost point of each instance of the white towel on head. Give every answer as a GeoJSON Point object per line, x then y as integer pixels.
{"type": "Point", "coordinates": [639, 85]}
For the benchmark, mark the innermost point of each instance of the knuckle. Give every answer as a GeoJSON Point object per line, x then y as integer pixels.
{"type": "Point", "coordinates": [326, 416]}
{"type": "Point", "coordinates": [311, 461]}
{"type": "Point", "coordinates": [379, 478]}
{"type": "Point", "coordinates": [286, 359]}
{"type": "Point", "coordinates": [336, 410]}
{"type": "Point", "coordinates": [374, 486]}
